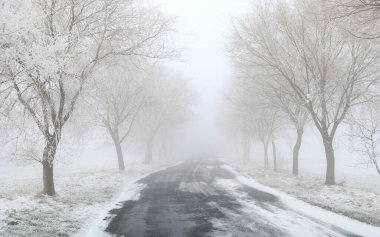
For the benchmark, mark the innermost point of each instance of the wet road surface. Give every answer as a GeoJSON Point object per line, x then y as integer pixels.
{"type": "Point", "coordinates": [201, 198]}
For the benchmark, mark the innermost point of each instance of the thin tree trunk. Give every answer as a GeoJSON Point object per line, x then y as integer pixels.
{"type": "Point", "coordinates": [48, 171]}
{"type": "Point", "coordinates": [274, 156]}
{"type": "Point", "coordinates": [149, 152]}
{"type": "Point", "coordinates": [373, 158]}
{"type": "Point", "coordinates": [376, 165]}
{"type": "Point", "coordinates": [296, 151]}
{"type": "Point", "coordinates": [266, 160]}
{"type": "Point", "coordinates": [330, 161]}
{"type": "Point", "coordinates": [247, 151]}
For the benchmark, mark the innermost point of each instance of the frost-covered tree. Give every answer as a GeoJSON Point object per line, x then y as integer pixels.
{"type": "Point", "coordinates": [271, 93]}
{"type": "Point", "coordinates": [50, 48]}
{"type": "Point", "coordinates": [171, 98]}
{"type": "Point", "coordinates": [280, 96]}
{"type": "Point", "coordinates": [360, 17]}
{"type": "Point", "coordinates": [365, 131]}
{"type": "Point", "coordinates": [237, 116]}
{"type": "Point", "coordinates": [113, 101]}
{"type": "Point", "coordinates": [266, 120]}
{"type": "Point", "coordinates": [299, 45]}
{"type": "Point", "coordinates": [251, 116]}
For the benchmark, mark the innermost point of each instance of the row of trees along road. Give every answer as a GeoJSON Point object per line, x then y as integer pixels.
{"type": "Point", "coordinates": [50, 49]}
{"type": "Point", "coordinates": [298, 62]}
{"type": "Point", "coordinates": [149, 102]}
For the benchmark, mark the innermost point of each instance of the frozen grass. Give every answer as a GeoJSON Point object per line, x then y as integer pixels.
{"type": "Point", "coordinates": [356, 201]}
{"type": "Point", "coordinates": [80, 197]}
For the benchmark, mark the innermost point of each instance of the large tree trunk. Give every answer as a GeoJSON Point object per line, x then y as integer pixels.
{"type": "Point", "coordinates": [120, 157]}
{"type": "Point", "coordinates": [149, 152]}
{"type": "Point", "coordinates": [274, 156]}
{"type": "Point", "coordinates": [48, 178]}
{"type": "Point", "coordinates": [266, 160]}
{"type": "Point", "coordinates": [48, 171]}
{"type": "Point", "coordinates": [296, 151]}
{"type": "Point", "coordinates": [116, 141]}
{"type": "Point", "coordinates": [330, 160]}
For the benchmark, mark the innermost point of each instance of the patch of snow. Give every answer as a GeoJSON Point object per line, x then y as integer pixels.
{"type": "Point", "coordinates": [306, 209]}
{"type": "Point", "coordinates": [96, 226]}
{"type": "Point", "coordinates": [82, 193]}
{"type": "Point", "coordinates": [99, 224]}
{"type": "Point", "coordinates": [357, 201]}
{"type": "Point", "coordinates": [197, 187]}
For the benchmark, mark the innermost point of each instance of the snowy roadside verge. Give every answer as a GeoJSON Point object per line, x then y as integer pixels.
{"type": "Point", "coordinates": [355, 200]}
{"type": "Point", "coordinates": [96, 226]}
{"type": "Point", "coordinates": [81, 196]}
{"type": "Point", "coordinates": [324, 216]}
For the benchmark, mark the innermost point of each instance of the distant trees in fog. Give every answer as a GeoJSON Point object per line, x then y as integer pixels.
{"type": "Point", "coordinates": [171, 98]}
{"type": "Point", "coordinates": [300, 61]}
{"type": "Point", "coordinates": [122, 98]}
{"type": "Point", "coordinates": [251, 117]}
{"type": "Point", "coordinates": [49, 51]}
{"type": "Point", "coordinates": [113, 101]}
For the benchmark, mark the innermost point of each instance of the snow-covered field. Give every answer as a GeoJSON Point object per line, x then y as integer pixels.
{"type": "Point", "coordinates": [84, 186]}
{"type": "Point", "coordinates": [290, 223]}
{"type": "Point", "coordinates": [355, 200]}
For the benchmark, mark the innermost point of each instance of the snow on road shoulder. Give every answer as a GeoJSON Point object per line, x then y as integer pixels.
{"type": "Point", "coordinates": [311, 211]}
{"type": "Point", "coordinates": [356, 200]}
{"type": "Point", "coordinates": [81, 196]}
{"type": "Point", "coordinates": [96, 226]}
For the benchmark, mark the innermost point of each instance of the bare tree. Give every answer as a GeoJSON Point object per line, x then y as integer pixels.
{"type": "Point", "coordinates": [280, 96]}
{"type": "Point", "coordinates": [238, 116]}
{"type": "Point", "coordinates": [276, 93]}
{"type": "Point", "coordinates": [239, 127]}
{"type": "Point", "coordinates": [266, 123]}
{"type": "Point", "coordinates": [114, 99]}
{"type": "Point", "coordinates": [365, 130]}
{"type": "Point", "coordinates": [250, 113]}
{"type": "Point", "coordinates": [362, 16]}
{"type": "Point", "coordinates": [50, 48]}
{"type": "Point", "coordinates": [272, 93]}
{"type": "Point", "coordinates": [171, 98]}
{"type": "Point", "coordinates": [327, 70]}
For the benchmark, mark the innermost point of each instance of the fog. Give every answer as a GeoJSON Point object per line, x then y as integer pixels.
{"type": "Point", "coordinates": [189, 118]}
{"type": "Point", "coordinates": [206, 64]}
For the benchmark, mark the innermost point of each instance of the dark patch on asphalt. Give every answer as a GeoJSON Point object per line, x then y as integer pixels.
{"type": "Point", "coordinates": [164, 209]}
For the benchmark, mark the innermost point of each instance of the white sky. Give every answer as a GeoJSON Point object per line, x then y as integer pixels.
{"type": "Point", "coordinates": [206, 64]}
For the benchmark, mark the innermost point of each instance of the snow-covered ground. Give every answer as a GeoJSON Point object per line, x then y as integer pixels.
{"type": "Point", "coordinates": [95, 226]}
{"type": "Point", "coordinates": [355, 200]}
{"type": "Point", "coordinates": [290, 223]}
{"type": "Point", "coordinates": [85, 185]}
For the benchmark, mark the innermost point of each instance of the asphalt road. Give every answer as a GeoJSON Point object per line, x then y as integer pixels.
{"type": "Point", "coordinates": [187, 200]}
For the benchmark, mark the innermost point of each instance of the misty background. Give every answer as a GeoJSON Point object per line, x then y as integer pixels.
{"type": "Point", "coordinates": [207, 66]}
{"type": "Point", "coordinates": [187, 117]}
